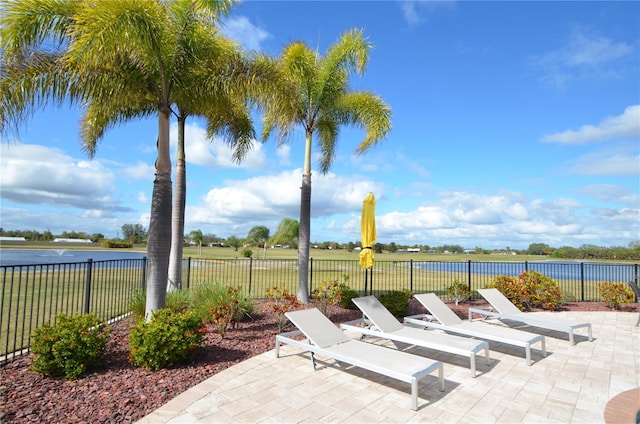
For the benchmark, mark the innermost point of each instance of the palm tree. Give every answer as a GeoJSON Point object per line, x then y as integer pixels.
{"type": "Point", "coordinates": [224, 79]}
{"type": "Point", "coordinates": [119, 60]}
{"type": "Point", "coordinates": [324, 102]}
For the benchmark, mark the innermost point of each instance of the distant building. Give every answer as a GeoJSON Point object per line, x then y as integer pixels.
{"type": "Point", "coordinates": [69, 240]}
{"type": "Point", "coordinates": [3, 238]}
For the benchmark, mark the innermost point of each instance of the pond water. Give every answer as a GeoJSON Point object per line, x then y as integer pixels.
{"type": "Point", "coordinates": [569, 270]}
{"type": "Point", "coordinates": [56, 256]}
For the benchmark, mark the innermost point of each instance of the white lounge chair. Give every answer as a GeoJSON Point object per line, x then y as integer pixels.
{"type": "Point", "coordinates": [386, 326]}
{"type": "Point", "coordinates": [506, 310]}
{"type": "Point", "coordinates": [325, 339]}
{"type": "Point", "coordinates": [450, 322]}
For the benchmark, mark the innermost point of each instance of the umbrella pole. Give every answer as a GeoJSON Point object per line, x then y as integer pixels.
{"type": "Point", "coordinates": [366, 271]}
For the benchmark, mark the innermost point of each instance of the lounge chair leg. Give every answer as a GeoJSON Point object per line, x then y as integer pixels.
{"type": "Point", "coordinates": [414, 394]}
{"type": "Point", "coordinates": [527, 351]}
{"type": "Point", "coordinates": [571, 340]}
{"type": "Point", "coordinates": [473, 365]}
{"type": "Point", "coordinates": [313, 361]}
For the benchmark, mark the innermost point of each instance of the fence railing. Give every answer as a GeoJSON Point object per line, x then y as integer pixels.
{"type": "Point", "coordinates": [33, 295]}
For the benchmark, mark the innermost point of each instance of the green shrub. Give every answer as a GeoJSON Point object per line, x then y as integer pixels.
{"type": "Point", "coordinates": [116, 244]}
{"type": "Point", "coordinates": [216, 296]}
{"type": "Point", "coordinates": [246, 253]}
{"type": "Point", "coordinates": [530, 290]}
{"type": "Point", "coordinates": [346, 293]}
{"type": "Point", "coordinates": [543, 292]}
{"type": "Point", "coordinates": [167, 339]}
{"type": "Point", "coordinates": [616, 294]}
{"type": "Point", "coordinates": [177, 301]}
{"type": "Point", "coordinates": [397, 302]}
{"type": "Point", "coordinates": [70, 347]}
{"type": "Point", "coordinates": [137, 303]}
{"type": "Point", "coordinates": [458, 291]}
{"type": "Point", "coordinates": [511, 288]}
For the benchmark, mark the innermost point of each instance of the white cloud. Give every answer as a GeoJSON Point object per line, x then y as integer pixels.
{"type": "Point", "coordinates": [625, 126]}
{"type": "Point", "coordinates": [266, 200]}
{"type": "Point", "coordinates": [414, 11]}
{"type": "Point", "coordinates": [34, 174]}
{"type": "Point", "coordinates": [215, 153]}
{"type": "Point", "coordinates": [583, 55]}
{"type": "Point", "coordinates": [140, 171]}
{"type": "Point", "coordinates": [501, 220]}
{"type": "Point", "coordinates": [607, 164]}
{"type": "Point", "coordinates": [242, 30]}
{"type": "Point", "coordinates": [611, 193]}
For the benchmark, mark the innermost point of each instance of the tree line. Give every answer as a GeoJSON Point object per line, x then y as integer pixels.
{"type": "Point", "coordinates": [286, 234]}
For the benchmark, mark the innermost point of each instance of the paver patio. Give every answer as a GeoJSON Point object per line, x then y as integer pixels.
{"type": "Point", "coordinates": [571, 385]}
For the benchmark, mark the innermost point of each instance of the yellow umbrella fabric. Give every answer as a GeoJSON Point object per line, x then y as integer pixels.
{"type": "Point", "coordinates": [368, 231]}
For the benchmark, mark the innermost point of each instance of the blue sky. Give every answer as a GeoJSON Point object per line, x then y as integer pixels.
{"type": "Point", "coordinates": [513, 123]}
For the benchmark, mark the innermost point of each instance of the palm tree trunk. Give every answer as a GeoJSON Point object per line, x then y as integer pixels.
{"type": "Point", "coordinates": [304, 232]}
{"type": "Point", "coordinates": [303, 238]}
{"type": "Point", "coordinates": [159, 243]}
{"type": "Point", "coordinates": [177, 213]}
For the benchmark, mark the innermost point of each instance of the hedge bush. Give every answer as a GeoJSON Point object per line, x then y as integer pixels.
{"type": "Point", "coordinates": [69, 348]}
{"type": "Point", "coordinates": [167, 339]}
{"type": "Point", "coordinates": [529, 290]}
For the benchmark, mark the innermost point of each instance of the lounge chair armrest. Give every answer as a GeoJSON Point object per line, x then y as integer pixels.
{"type": "Point", "coordinates": [486, 311]}
{"type": "Point", "coordinates": [419, 317]}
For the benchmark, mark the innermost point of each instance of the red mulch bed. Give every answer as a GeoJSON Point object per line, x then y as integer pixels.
{"type": "Point", "coordinates": [119, 392]}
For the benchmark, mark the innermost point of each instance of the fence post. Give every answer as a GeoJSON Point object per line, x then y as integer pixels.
{"type": "Point", "coordinates": [469, 275]}
{"type": "Point", "coordinates": [143, 280]}
{"type": "Point", "coordinates": [250, 271]}
{"type": "Point", "coordinates": [526, 266]}
{"type": "Point", "coordinates": [411, 275]}
{"type": "Point", "coordinates": [582, 281]}
{"type": "Point", "coordinates": [87, 290]}
{"type": "Point", "coordinates": [250, 263]}
{"type": "Point", "coordinates": [310, 276]}
{"type": "Point", "coordinates": [188, 272]}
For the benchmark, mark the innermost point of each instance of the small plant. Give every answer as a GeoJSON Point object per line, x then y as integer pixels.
{"type": "Point", "coordinates": [458, 291]}
{"type": "Point", "coordinates": [397, 302]}
{"type": "Point", "coordinates": [326, 296]}
{"type": "Point", "coordinates": [226, 308]}
{"type": "Point", "coordinates": [281, 301]}
{"type": "Point", "coordinates": [167, 339]}
{"type": "Point", "coordinates": [246, 253]}
{"type": "Point", "coordinates": [70, 347]}
{"type": "Point", "coordinates": [211, 300]}
{"type": "Point", "coordinates": [615, 294]}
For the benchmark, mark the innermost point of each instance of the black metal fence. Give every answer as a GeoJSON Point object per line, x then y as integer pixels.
{"type": "Point", "coordinates": [33, 295]}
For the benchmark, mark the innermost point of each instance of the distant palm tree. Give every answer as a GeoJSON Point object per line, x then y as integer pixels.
{"type": "Point", "coordinates": [119, 60]}
{"type": "Point", "coordinates": [259, 235]}
{"type": "Point", "coordinates": [323, 102]}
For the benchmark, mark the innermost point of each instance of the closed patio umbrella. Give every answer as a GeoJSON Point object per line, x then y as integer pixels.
{"type": "Point", "coordinates": [368, 233]}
